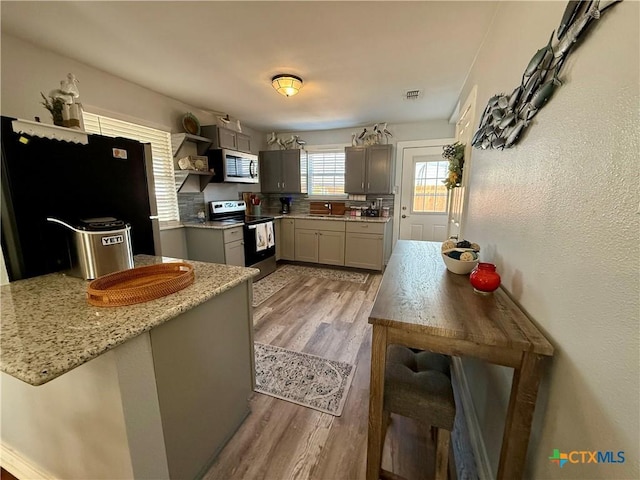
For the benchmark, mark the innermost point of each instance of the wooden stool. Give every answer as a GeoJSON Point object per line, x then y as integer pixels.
{"type": "Point", "coordinates": [418, 386]}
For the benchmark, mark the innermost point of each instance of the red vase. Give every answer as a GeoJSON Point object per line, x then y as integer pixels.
{"type": "Point", "coordinates": [484, 278]}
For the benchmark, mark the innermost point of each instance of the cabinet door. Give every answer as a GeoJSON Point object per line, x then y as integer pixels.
{"type": "Point", "coordinates": [227, 138]}
{"type": "Point", "coordinates": [306, 248]}
{"type": "Point", "coordinates": [354, 169]}
{"type": "Point", "coordinates": [379, 174]}
{"type": "Point", "coordinates": [331, 247]}
{"type": "Point", "coordinates": [234, 253]}
{"type": "Point", "coordinates": [290, 171]}
{"type": "Point", "coordinates": [270, 168]}
{"type": "Point", "coordinates": [205, 245]}
{"type": "Point", "coordinates": [287, 239]}
{"type": "Point", "coordinates": [364, 250]}
{"type": "Point", "coordinates": [277, 227]}
{"type": "Point", "coordinates": [243, 142]}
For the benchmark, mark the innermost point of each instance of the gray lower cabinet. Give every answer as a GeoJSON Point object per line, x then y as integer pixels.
{"type": "Point", "coordinates": [215, 245]}
{"type": "Point", "coordinates": [365, 245]}
{"type": "Point", "coordinates": [204, 371]}
{"type": "Point", "coordinates": [234, 253]}
{"type": "Point", "coordinates": [364, 251]}
{"type": "Point", "coordinates": [318, 241]}
{"type": "Point", "coordinates": [287, 239]}
{"type": "Point", "coordinates": [277, 227]}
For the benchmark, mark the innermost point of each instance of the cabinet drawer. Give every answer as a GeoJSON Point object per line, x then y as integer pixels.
{"type": "Point", "coordinates": [232, 234]}
{"type": "Point", "coordinates": [327, 225]}
{"type": "Point", "coordinates": [365, 227]}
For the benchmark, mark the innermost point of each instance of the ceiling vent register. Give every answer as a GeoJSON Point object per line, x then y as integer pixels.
{"type": "Point", "coordinates": [412, 94]}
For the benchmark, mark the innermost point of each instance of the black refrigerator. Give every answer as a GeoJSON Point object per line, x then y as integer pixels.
{"type": "Point", "coordinates": [44, 177]}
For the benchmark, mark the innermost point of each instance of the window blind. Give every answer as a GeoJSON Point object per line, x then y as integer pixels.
{"type": "Point", "coordinates": [163, 174]}
{"type": "Point", "coordinates": [326, 172]}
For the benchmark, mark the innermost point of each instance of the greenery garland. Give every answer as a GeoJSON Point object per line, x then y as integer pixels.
{"type": "Point", "coordinates": [455, 154]}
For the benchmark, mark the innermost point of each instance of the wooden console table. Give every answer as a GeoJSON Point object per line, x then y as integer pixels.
{"type": "Point", "coordinates": [421, 304]}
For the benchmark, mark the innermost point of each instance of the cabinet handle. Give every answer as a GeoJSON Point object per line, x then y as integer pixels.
{"type": "Point", "coordinates": [363, 185]}
{"type": "Point", "coordinates": [368, 185]}
{"type": "Point", "coordinates": [278, 184]}
{"type": "Point", "coordinates": [282, 184]}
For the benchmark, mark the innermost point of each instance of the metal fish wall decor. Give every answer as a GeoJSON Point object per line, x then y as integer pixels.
{"type": "Point", "coordinates": [507, 116]}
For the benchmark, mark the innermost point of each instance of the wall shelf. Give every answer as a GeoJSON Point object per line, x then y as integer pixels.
{"type": "Point", "coordinates": [44, 130]}
{"type": "Point", "coordinates": [178, 139]}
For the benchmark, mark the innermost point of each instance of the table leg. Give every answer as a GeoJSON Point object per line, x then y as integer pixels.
{"type": "Point", "coordinates": [517, 429]}
{"type": "Point", "coordinates": [375, 439]}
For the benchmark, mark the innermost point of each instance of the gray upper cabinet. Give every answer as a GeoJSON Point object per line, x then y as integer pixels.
{"type": "Point", "coordinates": [355, 169]}
{"type": "Point", "coordinates": [226, 138]}
{"type": "Point", "coordinates": [369, 169]}
{"type": "Point", "coordinates": [280, 171]}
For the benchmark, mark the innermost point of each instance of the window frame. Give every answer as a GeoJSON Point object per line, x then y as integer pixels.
{"type": "Point", "coordinates": [328, 148]}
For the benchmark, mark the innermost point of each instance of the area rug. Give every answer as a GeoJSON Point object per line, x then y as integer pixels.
{"type": "Point", "coordinates": [303, 379]}
{"type": "Point", "coordinates": [271, 284]}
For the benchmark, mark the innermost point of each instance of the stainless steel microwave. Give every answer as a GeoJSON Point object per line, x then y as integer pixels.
{"type": "Point", "coordinates": [239, 167]}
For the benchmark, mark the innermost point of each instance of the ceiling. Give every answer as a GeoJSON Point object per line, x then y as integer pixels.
{"type": "Point", "coordinates": [357, 59]}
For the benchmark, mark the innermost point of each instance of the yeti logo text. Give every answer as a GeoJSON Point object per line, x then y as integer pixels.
{"type": "Point", "coordinates": [113, 240]}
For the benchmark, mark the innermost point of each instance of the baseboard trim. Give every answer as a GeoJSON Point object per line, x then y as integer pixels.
{"type": "Point", "coordinates": [20, 467]}
{"type": "Point", "coordinates": [473, 425]}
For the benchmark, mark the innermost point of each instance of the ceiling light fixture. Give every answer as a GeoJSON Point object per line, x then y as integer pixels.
{"type": "Point", "coordinates": [287, 85]}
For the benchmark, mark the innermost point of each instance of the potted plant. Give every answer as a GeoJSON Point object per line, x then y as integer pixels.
{"type": "Point", "coordinates": [55, 106]}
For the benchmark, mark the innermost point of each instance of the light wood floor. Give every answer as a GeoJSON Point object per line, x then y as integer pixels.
{"type": "Point", "coordinates": [280, 440]}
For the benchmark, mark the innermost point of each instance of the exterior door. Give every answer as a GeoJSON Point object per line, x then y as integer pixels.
{"type": "Point", "coordinates": [423, 198]}
{"type": "Point", "coordinates": [459, 195]}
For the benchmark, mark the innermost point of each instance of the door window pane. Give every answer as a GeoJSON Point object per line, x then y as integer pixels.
{"type": "Point", "coordinates": [429, 193]}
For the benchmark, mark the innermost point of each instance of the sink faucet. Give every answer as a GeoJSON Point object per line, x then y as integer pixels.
{"type": "Point", "coordinates": [328, 205]}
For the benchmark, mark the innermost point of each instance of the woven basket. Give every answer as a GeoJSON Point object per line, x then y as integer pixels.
{"type": "Point", "coordinates": [140, 284]}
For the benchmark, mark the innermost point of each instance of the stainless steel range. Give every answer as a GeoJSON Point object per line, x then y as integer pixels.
{"type": "Point", "coordinates": [258, 233]}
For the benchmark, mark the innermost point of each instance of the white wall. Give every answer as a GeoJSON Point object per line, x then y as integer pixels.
{"type": "Point", "coordinates": [558, 214]}
{"type": "Point", "coordinates": [401, 132]}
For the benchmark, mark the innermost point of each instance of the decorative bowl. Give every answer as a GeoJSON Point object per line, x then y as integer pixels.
{"type": "Point", "coordinates": [458, 266]}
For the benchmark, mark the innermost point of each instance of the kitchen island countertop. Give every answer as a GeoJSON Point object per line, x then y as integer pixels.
{"type": "Point", "coordinates": [48, 328]}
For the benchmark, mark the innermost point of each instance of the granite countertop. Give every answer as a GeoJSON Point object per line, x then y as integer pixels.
{"type": "Point", "coordinates": [342, 218]}
{"type": "Point", "coordinates": [213, 225]}
{"type": "Point", "coordinates": [48, 328]}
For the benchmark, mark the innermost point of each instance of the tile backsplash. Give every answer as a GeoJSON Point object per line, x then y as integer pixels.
{"type": "Point", "coordinates": [192, 203]}
{"type": "Point", "coordinates": [189, 205]}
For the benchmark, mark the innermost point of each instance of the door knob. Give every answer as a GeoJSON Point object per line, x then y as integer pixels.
{"type": "Point", "coordinates": [404, 216]}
